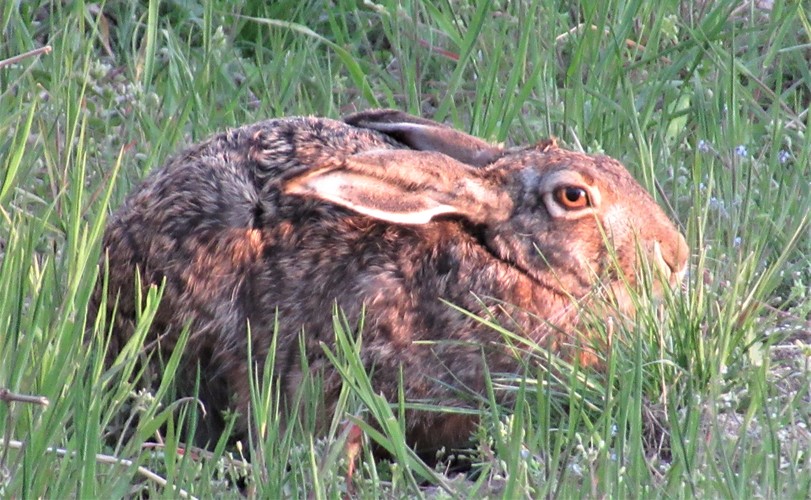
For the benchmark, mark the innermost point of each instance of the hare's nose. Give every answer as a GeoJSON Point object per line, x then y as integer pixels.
{"type": "Point", "coordinates": [674, 255]}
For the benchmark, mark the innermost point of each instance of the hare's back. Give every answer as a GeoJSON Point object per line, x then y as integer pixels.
{"type": "Point", "coordinates": [232, 179]}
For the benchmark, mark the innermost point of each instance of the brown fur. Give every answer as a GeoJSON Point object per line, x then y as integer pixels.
{"type": "Point", "coordinates": [239, 227]}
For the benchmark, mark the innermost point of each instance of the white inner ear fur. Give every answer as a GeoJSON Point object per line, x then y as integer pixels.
{"type": "Point", "coordinates": [396, 127]}
{"type": "Point", "coordinates": [408, 218]}
{"type": "Point", "coordinates": [350, 191]}
{"type": "Point", "coordinates": [562, 178]}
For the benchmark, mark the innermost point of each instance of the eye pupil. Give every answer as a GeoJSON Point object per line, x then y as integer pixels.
{"type": "Point", "coordinates": [572, 197]}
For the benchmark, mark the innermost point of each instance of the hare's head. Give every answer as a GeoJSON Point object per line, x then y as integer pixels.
{"type": "Point", "coordinates": [578, 219]}
{"type": "Point", "coordinates": [567, 220]}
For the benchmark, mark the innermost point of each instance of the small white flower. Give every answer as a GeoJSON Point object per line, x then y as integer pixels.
{"type": "Point", "coordinates": [783, 156]}
{"type": "Point", "coordinates": [741, 151]}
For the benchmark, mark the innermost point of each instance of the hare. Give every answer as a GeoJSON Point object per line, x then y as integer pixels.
{"type": "Point", "coordinates": [394, 218]}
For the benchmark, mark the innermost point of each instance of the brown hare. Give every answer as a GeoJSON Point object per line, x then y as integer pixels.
{"type": "Point", "coordinates": [392, 217]}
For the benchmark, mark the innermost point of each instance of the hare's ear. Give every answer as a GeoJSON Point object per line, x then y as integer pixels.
{"type": "Point", "coordinates": [426, 135]}
{"type": "Point", "coordinates": [406, 187]}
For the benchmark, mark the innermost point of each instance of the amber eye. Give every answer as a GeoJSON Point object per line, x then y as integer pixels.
{"type": "Point", "coordinates": [572, 197]}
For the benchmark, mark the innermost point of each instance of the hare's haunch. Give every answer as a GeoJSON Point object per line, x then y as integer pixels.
{"type": "Point", "coordinates": [394, 217]}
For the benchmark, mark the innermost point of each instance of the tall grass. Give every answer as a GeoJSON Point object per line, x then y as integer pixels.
{"type": "Point", "coordinates": [705, 395]}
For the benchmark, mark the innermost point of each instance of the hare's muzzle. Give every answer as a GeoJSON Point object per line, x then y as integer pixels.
{"type": "Point", "coordinates": [671, 257]}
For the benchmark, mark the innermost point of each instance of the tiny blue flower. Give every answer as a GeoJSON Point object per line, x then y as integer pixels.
{"type": "Point", "coordinates": [736, 242]}
{"type": "Point", "coordinates": [783, 156]}
{"type": "Point", "coordinates": [703, 146]}
{"type": "Point", "coordinates": [741, 151]}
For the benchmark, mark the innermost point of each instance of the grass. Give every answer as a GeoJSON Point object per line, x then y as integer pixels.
{"type": "Point", "coordinates": [705, 102]}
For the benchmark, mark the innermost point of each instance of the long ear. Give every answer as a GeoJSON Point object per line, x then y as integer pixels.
{"type": "Point", "coordinates": [426, 135]}
{"type": "Point", "coordinates": [406, 187]}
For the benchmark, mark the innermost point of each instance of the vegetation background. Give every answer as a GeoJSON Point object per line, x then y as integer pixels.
{"type": "Point", "coordinates": [706, 102]}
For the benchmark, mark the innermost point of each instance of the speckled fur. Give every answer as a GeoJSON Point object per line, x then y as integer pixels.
{"type": "Point", "coordinates": [233, 248]}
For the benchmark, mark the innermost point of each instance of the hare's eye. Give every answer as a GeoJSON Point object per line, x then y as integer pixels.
{"type": "Point", "coordinates": [572, 197]}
